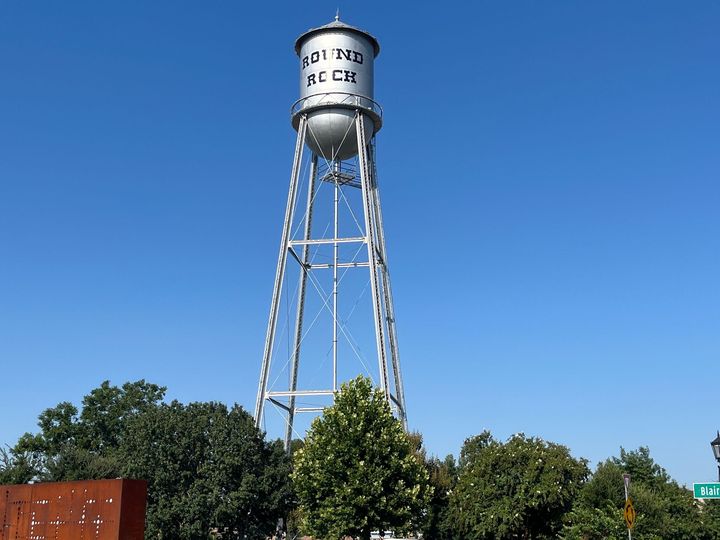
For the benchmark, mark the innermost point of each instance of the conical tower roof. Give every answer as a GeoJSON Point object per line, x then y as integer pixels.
{"type": "Point", "coordinates": [337, 24]}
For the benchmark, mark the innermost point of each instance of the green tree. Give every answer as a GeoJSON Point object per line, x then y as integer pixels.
{"type": "Point", "coordinates": [83, 445]}
{"type": "Point", "coordinates": [443, 477]}
{"type": "Point", "coordinates": [18, 467]}
{"type": "Point", "coordinates": [641, 467]}
{"type": "Point", "coordinates": [598, 511]}
{"type": "Point", "coordinates": [664, 508]}
{"type": "Point", "coordinates": [710, 516]}
{"type": "Point", "coordinates": [518, 489]}
{"type": "Point", "coordinates": [358, 470]}
{"type": "Point", "coordinates": [207, 466]}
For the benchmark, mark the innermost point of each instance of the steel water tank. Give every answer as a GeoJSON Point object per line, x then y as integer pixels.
{"type": "Point", "coordinates": [336, 80]}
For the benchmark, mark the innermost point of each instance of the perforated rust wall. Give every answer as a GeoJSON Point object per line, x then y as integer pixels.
{"type": "Point", "coordinates": [88, 510]}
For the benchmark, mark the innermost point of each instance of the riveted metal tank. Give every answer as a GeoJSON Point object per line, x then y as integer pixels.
{"type": "Point", "coordinates": [336, 80]}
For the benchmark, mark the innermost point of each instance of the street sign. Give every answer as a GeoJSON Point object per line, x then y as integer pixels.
{"type": "Point", "coordinates": [708, 490]}
{"type": "Point", "coordinates": [629, 513]}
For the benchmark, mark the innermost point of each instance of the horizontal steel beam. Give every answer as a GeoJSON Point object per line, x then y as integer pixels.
{"type": "Point", "coordinates": [340, 265]}
{"type": "Point", "coordinates": [314, 241]}
{"type": "Point", "coordinates": [309, 409]}
{"type": "Point", "coordinates": [289, 393]}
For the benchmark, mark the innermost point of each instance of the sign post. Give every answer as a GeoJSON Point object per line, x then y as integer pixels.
{"type": "Point", "coordinates": [629, 513]}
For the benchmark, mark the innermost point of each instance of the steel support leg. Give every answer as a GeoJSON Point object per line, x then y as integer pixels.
{"type": "Point", "coordinates": [300, 310]}
{"type": "Point", "coordinates": [336, 251]}
{"type": "Point", "coordinates": [368, 207]}
{"type": "Point", "coordinates": [280, 273]}
{"type": "Point", "coordinates": [387, 295]}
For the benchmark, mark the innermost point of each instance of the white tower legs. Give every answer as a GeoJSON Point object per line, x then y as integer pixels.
{"type": "Point", "coordinates": [382, 302]}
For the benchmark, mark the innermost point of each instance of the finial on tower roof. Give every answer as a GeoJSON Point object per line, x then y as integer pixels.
{"type": "Point", "coordinates": [337, 14]}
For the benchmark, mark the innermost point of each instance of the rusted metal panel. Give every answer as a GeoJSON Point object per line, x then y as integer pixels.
{"type": "Point", "coordinates": [133, 506]}
{"type": "Point", "coordinates": [87, 510]}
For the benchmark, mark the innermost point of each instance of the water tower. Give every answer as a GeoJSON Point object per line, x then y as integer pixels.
{"type": "Point", "coordinates": [336, 119]}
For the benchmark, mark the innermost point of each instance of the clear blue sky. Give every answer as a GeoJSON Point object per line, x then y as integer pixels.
{"type": "Point", "coordinates": [549, 174]}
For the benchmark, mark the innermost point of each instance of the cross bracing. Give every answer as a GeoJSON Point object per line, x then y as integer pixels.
{"type": "Point", "coordinates": [339, 319]}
